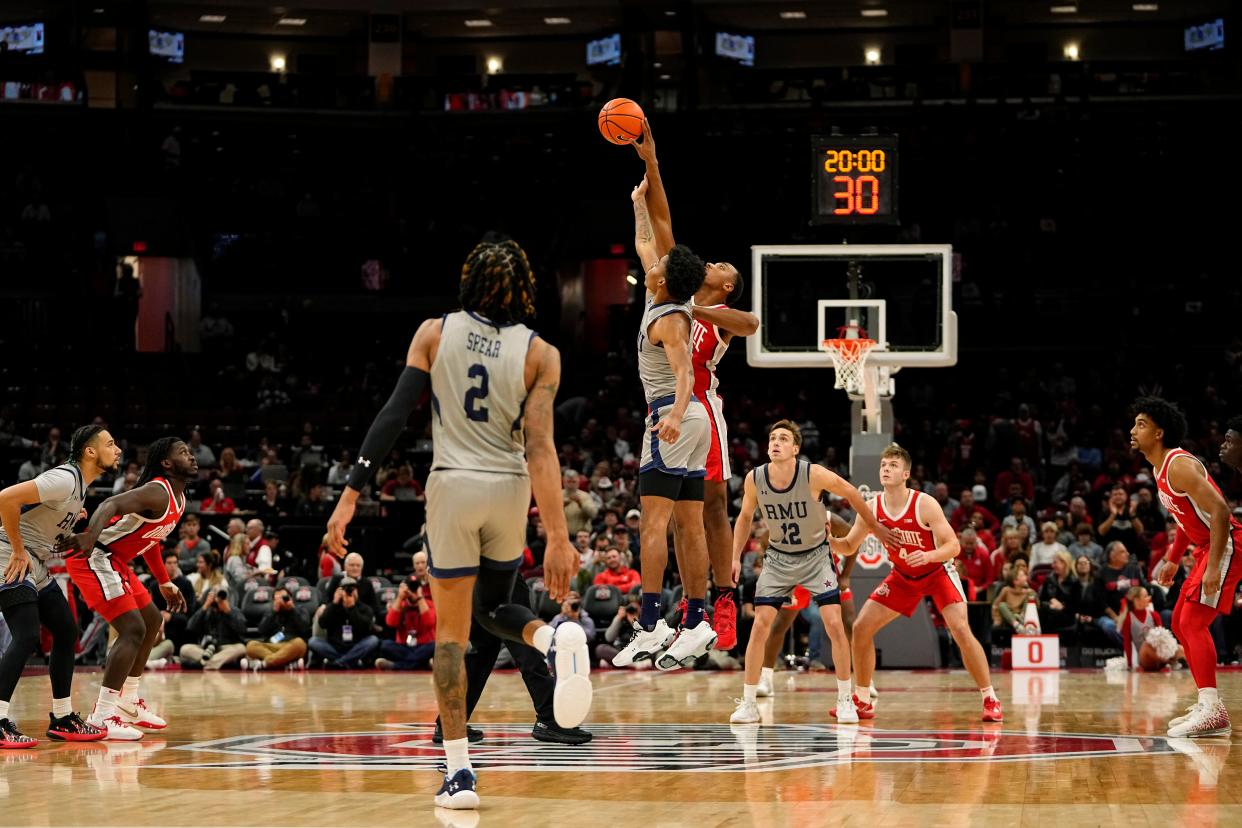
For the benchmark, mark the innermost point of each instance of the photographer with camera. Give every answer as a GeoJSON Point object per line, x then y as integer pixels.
{"type": "Point", "coordinates": [571, 610]}
{"type": "Point", "coordinates": [220, 629]}
{"type": "Point", "coordinates": [413, 615]}
{"type": "Point", "coordinates": [347, 641]}
{"type": "Point", "coordinates": [618, 633]}
{"type": "Point", "coordinates": [282, 636]}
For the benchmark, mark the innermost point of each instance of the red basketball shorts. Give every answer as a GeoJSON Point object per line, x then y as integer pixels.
{"type": "Point", "coordinates": [110, 587]}
{"type": "Point", "coordinates": [718, 469]}
{"type": "Point", "coordinates": [1231, 575]}
{"type": "Point", "coordinates": [903, 595]}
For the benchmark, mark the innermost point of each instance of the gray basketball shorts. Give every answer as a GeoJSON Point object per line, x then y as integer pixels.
{"type": "Point", "coordinates": [688, 456]}
{"type": "Point", "coordinates": [783, 572]}
{"type": "Point", "coordinates": [474, 519]}
{"type": "Point", "coordinates": [37, 577]}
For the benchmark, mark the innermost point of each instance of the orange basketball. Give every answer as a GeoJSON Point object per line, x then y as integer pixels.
{"type": "Point", "coordinates": [621, 121]}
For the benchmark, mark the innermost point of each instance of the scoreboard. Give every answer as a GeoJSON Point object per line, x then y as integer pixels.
{"type": "Point", "coordinates": [854, 179]}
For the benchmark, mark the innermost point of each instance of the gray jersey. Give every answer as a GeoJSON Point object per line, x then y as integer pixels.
{"type": "Point", "coordinates": [61, 495]}
{"type": "Point", "coordinates": [653, 367]}
{"type": "Point", "coordinates": [478, 394]}
{"type": "Point", "coordinates": [795, 519]}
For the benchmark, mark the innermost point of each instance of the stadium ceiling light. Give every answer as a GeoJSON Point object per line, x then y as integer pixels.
{"type": "Point", "coordinates": [1070, 51]}
{"type": "Point", "coordinates": [631, 278]}
{"type": "Point", "coordinates": [1146, 7]}
{"type": "Point", "coordinates": [793, 15]}
{"type": "Point", "coordinates": [291, 21]}
{"type": "Point", "coordinates": [557, 21]}
{"type": "Point", "coordinates": [875, 12]}
{"type": "Point", "coordinates": [478, 23]}
{"type": "Point", "coordinates": [872, 55]}
{"type": "Point", "coordinates": [212, 18]}
{"type": "Point", "coordinates": [1064, 10]}
{"type": "Point", "coordinates": [277, 62]}
{"type": "Point", "coordinates": [494, 65]}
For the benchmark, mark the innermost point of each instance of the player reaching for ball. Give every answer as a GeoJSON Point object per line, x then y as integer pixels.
{"type": "Point", "coordinates": [714, 326]}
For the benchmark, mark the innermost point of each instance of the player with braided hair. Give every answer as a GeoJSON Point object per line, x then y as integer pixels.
{"type": "Point", "coordinates": [493, 386]}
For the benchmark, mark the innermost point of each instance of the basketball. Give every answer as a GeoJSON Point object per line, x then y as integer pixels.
{"type": "Point", "coordinates": [1149, 661]}
{"type": "Point", "coordinates": [621, 121]}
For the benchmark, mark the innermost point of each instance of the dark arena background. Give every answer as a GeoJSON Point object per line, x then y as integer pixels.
{"type": "Point", "coordinates": [223, 222]}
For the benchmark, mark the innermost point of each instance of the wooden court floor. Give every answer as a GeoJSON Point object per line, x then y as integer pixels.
{"type": "Point", "coordinates": [331, 749]}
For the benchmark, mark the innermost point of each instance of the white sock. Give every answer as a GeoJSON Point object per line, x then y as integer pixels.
{"type": "Point", "coordinates": [457, 753]}
{"type": "Point", "coordinates": [750, 692]}
{"type": "Point", "coordinates": [766, 674]}
{"type": "Point", "coordinates": [845, 689]}
{"type": "Point", "coordinates": [1208, 696]}
{"type": "Point", "coordinates": [62, 707]}
{"type": "Point", "coordinates": [4, 710]}
{"type": "Point", "coordinates": [863, 691]}
{"type": "Point", "coordinates": [542, 641]}
{"type": "Point", "coordinates": [129, 693]}
{"type": "Point", "coordinates": [987, 692]}
{"type": "Point", "coordinates": [106, 706]}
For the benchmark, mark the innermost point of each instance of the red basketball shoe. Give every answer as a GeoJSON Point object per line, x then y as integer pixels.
{"type": "Point", "coordinates": [865, 709]}
{"type": "Point", "coordinates": [992, 710]}
{"type": "Point", "coordinates": [724, 622]}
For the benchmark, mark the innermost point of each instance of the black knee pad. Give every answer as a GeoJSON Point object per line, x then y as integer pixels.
{"type": "Point", "coordinates": [492, 588]}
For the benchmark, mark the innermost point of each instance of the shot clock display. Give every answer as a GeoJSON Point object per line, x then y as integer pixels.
{"type": "Point", "coordinates": [855, 179]}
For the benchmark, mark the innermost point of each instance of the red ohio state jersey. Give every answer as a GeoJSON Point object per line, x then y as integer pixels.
{"type": "Point", "coordinates": [912, 533]}
{"type": "Point", "coordinates": [129, 536]}
{"type": "Point", "coordinates": [709, 346]}
{"type": "Point", "coordinates": [1195, 522]}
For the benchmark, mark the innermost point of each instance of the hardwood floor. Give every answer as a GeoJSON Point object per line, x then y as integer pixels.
{"type": "Point", "coordinates": [333, 749]}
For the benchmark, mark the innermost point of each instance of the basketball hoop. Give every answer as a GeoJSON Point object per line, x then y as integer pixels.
{"type": "Point", "coordinates": [849, 358]}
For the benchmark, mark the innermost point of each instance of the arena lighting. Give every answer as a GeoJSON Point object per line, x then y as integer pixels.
{"type": "Point", "coordinates": [1070, 51]}
{"type": "Point", "coordinates": [212, 18]}
{"type": "Point", "coordinates": [793, 15]}
{"type": "Point", "coordinates": [1146, 7]}
{"type": "Point", "coordinates": [277, 62]}
{"type": "Point", "coordinates": [872, 55]}
{"type": "Point", "coordinates": [1064, 9]}
{"type": "Point", "coordinates": [557, 21]}
{"type": "Point", "coordinates": [631, 278]}
{"type": "Point", "coordinates": [291, 21]}
{"type": "Point", "coordinates": [875, 12]}
{"type": "Point", "coordinates": [494, 65]}
{"type": "Point", "coordinates": [480, 23]}
{"type": "Point", "coordinates": [666, 77]}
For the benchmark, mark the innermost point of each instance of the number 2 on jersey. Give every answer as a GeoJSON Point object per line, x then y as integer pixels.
{"type": "Point", "coordinates": [474, 411]}
{"type": "Point", "coordinates": [791, 533]}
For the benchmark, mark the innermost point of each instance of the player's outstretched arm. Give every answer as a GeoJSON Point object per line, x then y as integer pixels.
{"type": "Point", "coordinates": [386, 427]}
{"type": "Point", "coordinates": [731, 321]}
{"type": "Point", "coordinates": [560, 560]}
{"type": "Point", "coordinates": [644, 234]}
{"type": "Point", "coordinates": [1186, 475]}
{"type": "Point", "coordinates": [657, 199]}
{"type": "Point", "coordinates": [146, 499]}
{"type": "Point", "coordinates": [741, 529]}
{"type": "Point", "coordinates": [823, 480]}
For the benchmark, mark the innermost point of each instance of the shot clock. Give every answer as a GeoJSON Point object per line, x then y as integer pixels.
{"type": "Point", "coordinates": [855, 179]}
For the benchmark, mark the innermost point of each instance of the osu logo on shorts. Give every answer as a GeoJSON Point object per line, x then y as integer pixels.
{"type": "Point", "coordinates": [882, 589]}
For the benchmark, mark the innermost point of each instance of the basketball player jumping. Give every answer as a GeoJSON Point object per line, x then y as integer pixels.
{"type": "Point", "coordinates": [35, 515]}
{"type": "Point", "coordinates": [922, 567]}
{"type": "Point", "coordinates": [1202, 514]}
{"type": "Point", "coordinates": [715, 324]}
{"type": "Point", "coordinates": [670, 481]}
{"type": "Point", "coordinates": [125, 526]}
{"type": "Point", "coordinates": [493, 384]}
{"type": "Point", "coordinates": [787, 490]}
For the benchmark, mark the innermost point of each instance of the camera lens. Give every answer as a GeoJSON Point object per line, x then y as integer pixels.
{"type": "Point", "coordinates": [574, 606]}
{"type": "Point", "coordinates": [222, 595]}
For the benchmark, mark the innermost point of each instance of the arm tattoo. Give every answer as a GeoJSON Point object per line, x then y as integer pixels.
{"type": "Point", "coordinates": [450, 677]}
{"type": "Point", "coordinates": [642, 222]}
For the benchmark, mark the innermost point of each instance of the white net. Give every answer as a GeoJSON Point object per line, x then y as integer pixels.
{"type": "Point", "coordinates": [849, 358]}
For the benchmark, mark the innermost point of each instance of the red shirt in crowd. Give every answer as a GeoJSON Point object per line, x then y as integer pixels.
{"type": "Point", "coordinates": [390, 488]}
{"type": "Point", "coordinates": [1006, 478]}
{"type": "Point", "coordinates": [623, 579]}
{"type": "Point", "coordinates": [224, 506]}
{"type": "Point", "coordinates": [978, 562]}
{"type": "Point", "coordinates": [327, 564]}
{"type": "Point", "coordinates": [961, 517]}
{"type": "Point", "coordinates": [409, 621]}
